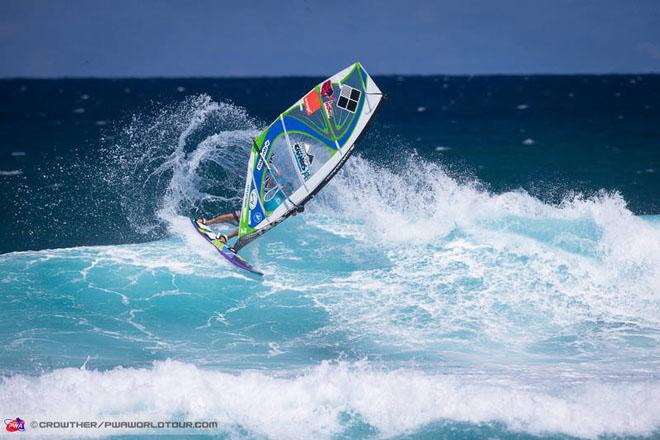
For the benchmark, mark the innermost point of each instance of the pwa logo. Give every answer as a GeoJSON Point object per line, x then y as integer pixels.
{"type": "Point", "coordinates": [14, 425]}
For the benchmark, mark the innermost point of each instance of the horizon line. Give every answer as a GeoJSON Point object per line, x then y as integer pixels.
{"type": "Point", "coordinates": [390, 75]}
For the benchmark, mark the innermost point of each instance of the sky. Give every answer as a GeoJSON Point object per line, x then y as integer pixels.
{"type": "Point", "coordinates": [146, 38]}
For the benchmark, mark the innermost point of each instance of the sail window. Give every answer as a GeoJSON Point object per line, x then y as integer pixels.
{"type": "Point", "coordinates": [348, 98]}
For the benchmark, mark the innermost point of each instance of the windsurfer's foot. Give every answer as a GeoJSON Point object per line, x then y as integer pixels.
{"type": "Point", "coordinates": [201, 221]}
{"type": "Point", "coordinates": [222, 238]}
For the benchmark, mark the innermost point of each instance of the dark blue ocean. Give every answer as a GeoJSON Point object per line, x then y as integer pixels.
{"type": "Point", "coordinates": [486, 265]}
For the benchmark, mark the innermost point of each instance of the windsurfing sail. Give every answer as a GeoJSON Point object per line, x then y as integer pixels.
{"type": "Point", "coordinates": [303, 148]}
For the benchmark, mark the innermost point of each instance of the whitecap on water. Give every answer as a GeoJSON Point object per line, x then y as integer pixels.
{"type": "Point", "coordinates": [312, 404]}
{"type": "Point", "coordinates": [11, 173]}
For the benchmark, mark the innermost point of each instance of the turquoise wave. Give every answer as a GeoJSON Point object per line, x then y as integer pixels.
{"type": "Point", "coordinates": [495, 315]}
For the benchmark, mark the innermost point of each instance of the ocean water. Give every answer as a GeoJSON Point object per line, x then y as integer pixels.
{"type": "Point", "coordinates": [487, 265]}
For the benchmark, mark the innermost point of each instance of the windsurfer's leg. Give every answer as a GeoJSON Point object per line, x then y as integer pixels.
{"type": "Point", "coordinates": [229, 217]}
{"type": "Point", "coordinates": [232, 234]}
{"type": "Point", "coordinates": [225, 238]}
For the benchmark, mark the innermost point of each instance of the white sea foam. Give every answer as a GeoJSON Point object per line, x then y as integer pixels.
{"type": "Point", "coordinates": [178, 158]}
{"type": "Point", "coordinates": [312, 403]}
{"type": "Point", "coordinates": [501, 274]}
{"type": "Point", "coordinates": [168, 255]}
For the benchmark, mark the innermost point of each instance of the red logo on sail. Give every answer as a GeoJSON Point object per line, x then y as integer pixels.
{"type": "Point", "coordinates": [326, 88]}
{"type": "Point", "coordinates": [312, 102]}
